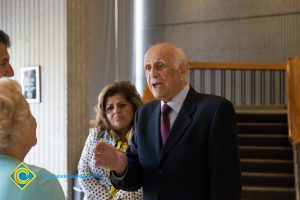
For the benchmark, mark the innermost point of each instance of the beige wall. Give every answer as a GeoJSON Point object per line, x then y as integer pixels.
{"type": "Point", "coordinates": [111, 54]}
{"type": "Point", "coordinates": [77, 92]}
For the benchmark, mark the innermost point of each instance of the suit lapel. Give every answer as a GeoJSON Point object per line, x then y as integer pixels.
{"type": "Point", "coordinates": [181, 124]}
{"type": "Point", "coordinates": [156, 137]}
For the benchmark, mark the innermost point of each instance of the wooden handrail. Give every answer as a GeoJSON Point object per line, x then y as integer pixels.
{"type": "Point", "coordinates": [293, 104]}
{"type": "Point", "coordinates": [235, 66]}
{"type": "Point", "coordinates": [147, 95]}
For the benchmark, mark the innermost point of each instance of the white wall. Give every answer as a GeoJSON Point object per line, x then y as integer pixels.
{"type": "Point", "coordinates": [54, 35]}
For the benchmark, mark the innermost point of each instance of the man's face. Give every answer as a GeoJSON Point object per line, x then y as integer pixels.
{"type": "Point", "coordinates": [165, 78]}
{"type": "Point", "coordinates": [5, 67]}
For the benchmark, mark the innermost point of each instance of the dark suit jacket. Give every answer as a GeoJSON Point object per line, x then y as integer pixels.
{"type": "Point", "coordinates": [200, 159]}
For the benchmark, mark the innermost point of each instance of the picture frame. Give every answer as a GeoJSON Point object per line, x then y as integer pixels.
{"type": "Point", "coordinates": [30, 82]}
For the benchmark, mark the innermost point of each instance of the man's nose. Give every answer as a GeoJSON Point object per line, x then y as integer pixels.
{"type": "Point", "coordinates": [153, 72]}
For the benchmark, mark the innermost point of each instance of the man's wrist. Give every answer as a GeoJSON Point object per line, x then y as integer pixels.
{"type": "Point", "coordinates": [122, 160]}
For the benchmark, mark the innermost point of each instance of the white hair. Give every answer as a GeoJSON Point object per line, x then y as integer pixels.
{"type": "Point", "coordinates": [178, 53]}
{"type": "Point", "coordinates": [14, 111]}
{"type": "Point", "coordinates": [181, 55]}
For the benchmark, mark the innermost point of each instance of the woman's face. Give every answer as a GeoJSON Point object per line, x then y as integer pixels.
{"type": "Point", "coordinates": [29, 131]}
{"type": "Point", "coordinates": [119, 113]}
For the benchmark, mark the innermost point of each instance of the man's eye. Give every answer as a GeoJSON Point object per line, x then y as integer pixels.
{"type": "Point", "coordinates": [3, 64]}
{"type": "Point", "coordinates": [160, 65]}
{"type": "Point", "coordinates": [147, 67]}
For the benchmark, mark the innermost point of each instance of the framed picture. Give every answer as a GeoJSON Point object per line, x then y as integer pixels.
{"type": "Point", "coordinates": [30, 82]}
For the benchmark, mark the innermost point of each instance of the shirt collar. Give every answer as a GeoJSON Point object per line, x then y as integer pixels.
{"type": "Point", "coordinates": [177, 101]}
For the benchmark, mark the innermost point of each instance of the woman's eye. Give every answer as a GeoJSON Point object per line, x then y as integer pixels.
{"type": "Point", "coordinates": [123, 105]}
{"type": "Point", "coordinates": [110, 108]}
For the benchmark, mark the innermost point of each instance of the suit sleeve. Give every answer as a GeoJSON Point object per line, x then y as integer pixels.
{"type": "Point", "coordinates": [131, 180]}
{"type": "Point", "coordinates": [223, 154]}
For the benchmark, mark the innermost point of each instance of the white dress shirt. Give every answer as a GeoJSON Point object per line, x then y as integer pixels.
{"type": "Point", "coordinates": [176, 104]}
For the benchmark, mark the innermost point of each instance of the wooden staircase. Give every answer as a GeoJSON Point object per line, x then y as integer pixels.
{"type": "Point", "coordinates": [266, 156]}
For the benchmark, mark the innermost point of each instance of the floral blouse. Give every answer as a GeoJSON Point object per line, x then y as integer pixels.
{"type": "Point", "coordinates": [95, 181]}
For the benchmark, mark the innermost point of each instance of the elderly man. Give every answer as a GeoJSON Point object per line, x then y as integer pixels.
{"type": "Point", "coordinates": [5, 67]}
{"type": "Point", "coordinates": [185, 146]}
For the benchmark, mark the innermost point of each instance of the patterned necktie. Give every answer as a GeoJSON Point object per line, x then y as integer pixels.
{"type": "Point", "coordinates": [165, 122]}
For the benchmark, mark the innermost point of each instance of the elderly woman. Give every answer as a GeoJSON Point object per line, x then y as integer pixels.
{"type": "Point", "coordinates": [17, 136]}
{"type": "Point", "coordinates": [115, 110]}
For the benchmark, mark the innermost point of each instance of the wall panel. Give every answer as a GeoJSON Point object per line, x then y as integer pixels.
{"type": "Point", "coordinates": [231, 31]}
{"type": "Point", "coordinates": [53, 34]}
{"type": "Point", "coordinates": [37, 32]}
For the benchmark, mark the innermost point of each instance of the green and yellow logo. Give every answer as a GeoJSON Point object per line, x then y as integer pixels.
{"type": "Point", "coordinates": [22, 176]}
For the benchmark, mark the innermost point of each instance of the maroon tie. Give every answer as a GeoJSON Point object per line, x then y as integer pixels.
{"type": "Point", "coordinates": [165, 122]}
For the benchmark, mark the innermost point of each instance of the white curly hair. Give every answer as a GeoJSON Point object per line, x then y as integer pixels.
{"type": "Point", "coordinates": [14, 112]}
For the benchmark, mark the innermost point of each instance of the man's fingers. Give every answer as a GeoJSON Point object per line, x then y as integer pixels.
{"type": "Point", "coordinates": [105, 155]}
{"type": "Point", "coordinates": [102, 147]}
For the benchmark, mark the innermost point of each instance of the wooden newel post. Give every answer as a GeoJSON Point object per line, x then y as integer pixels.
{"type": "Point", "coordinates": [293, 90]}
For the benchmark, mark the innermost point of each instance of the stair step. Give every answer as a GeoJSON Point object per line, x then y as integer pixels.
{"type": "Point", "coordinates": [265, 128]}
{"type": "Point", "coordinates": [268, 152]}
{"type": "Point", "coordinates": [268, 193]}
{"type": "Point", "coordinates": [268, 179]}
{"type": "Point", "coordinates": [263, 140]}
{"type": "Point", "coordinates": [262, 117]}
{"type": "Point", "coordinates": [267, 165]}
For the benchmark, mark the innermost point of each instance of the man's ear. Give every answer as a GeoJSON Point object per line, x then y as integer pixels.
{"type": "Point", "coordinates": [183, 68]}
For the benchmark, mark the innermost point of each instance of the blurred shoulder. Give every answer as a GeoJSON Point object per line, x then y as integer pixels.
{"type": "Point", "coordinates": [208, 103]}
{"type": "Point", "coordinates": [47, 182]}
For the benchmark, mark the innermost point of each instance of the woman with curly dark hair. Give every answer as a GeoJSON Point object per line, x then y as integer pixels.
{"type": "Point", "coordinates": [115, 111]}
